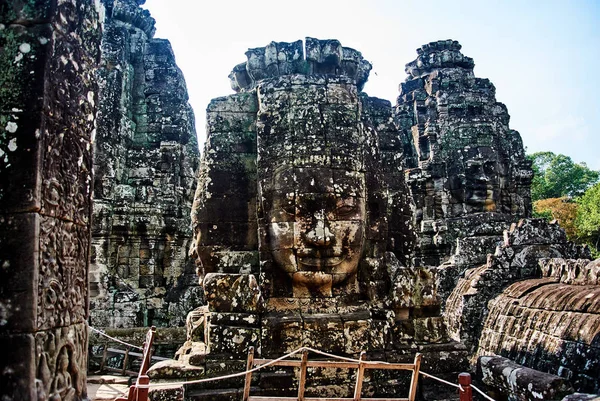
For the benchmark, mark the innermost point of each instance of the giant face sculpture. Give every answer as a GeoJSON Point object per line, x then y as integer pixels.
{"type": "Point", "coordinates": [476, 182]}
{"type": "Point", "coordinates": [316, 226]}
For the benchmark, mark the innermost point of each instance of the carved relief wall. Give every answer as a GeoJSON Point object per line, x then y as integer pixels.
{"type": "Point", "coordinates": [48, 96]}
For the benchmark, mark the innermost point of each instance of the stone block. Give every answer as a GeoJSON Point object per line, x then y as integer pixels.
{"type": "Point", "coordinates": [19, 271]}
{"type": "Point", "coordinates": [519, 382]}
{"type": "Point", "coordinates": [175, 393]}
{"type": "Point", "coordinates": [62, 281]}
{"type": "Point", "coordinates": [535, 231]}
{"type": "Point", "coordinates": [356, 335]}
{"type": "Point", "coordinates": [324, 331]}
{"type": "Point", "coordinates": [281, 333]}
{"type": "Point", "coordinates": [232, 293]}
{"type": "Point", "coordinates": [235, 319]}
{"type": "Point", "coordinates": [232, 340]}
{"type": "Point", "coordinates": [430, 330]}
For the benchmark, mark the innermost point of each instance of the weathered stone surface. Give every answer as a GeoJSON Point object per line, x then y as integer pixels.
{"type": "Point", "coordinates": [461, 157]}
{"type": "Point", "coordinates": [174, 393]}
{"type": "Point", "coordinates": [551, 324]}
{"type": "Point", "coordinates": [49, 52]}
{"type": "Point", "coordinates": [516, 382]}
{"type": "Point", "coordinates": [232, 293]}
{"type": "Point", "coordinates": [145, 162]}
{"type": "Point", "coordinates": [572, 271]}
{"type": "Point", "coordinates": [581, 397]}
{"type": "Point", "coordinates": [303, 227]}
{"type": "Point", "coordinates": [517, 259]}
{"type": "Point", "coordinates": [311, 196]}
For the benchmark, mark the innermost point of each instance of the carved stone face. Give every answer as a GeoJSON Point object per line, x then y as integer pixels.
{"type": "Point", "coordinates": [477, 182]}
{"type": "Point", "coordinates": [316, 226]}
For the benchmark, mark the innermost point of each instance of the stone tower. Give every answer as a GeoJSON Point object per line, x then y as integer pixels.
{"type": "Point", "coordinates": [467, 170]}
{"type": "Point", "coordinates": [145, 161]}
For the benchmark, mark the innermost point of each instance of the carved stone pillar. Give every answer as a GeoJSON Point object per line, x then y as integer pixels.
{"type": "Point", "coordinates": [49, 51]}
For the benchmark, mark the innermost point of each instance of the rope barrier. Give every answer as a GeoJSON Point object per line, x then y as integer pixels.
{"type": "Point", "coordinates": [458, 386]}
{"type": "Point", "coordinates": [482, 393]}
{"type": "Point", "coordinates": [115, 339]}
{"type": "Point", "coordinates": [342, 358]}
{"type": "Point", "coordinates": [256, 369]}
{"type": "Point", "coordinates": [274, 361]}
{"type": "Point", "coordinates": [347, 359]}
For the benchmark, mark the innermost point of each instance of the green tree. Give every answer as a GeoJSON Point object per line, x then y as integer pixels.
{"type": "Point", "coordinates": [588, 218]}
{"type": "Point", "coordinates": [557, 176]}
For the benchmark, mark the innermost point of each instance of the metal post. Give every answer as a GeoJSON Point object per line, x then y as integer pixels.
{"type": "Point", "coordinates": [465, 392]}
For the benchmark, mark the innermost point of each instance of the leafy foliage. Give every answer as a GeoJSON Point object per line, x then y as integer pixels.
{"type": "Point", "coordinates": [562, 209]}
{"type": "Point", "coordinates": [557, 176]}
{"type": "Point", "coordinates": [588, 218]}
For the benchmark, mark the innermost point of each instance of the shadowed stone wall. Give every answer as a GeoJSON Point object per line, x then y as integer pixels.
{"type": "Point", "coordinates": [49, 51]}
{"type": "Point", "coordinates": [145, 162]}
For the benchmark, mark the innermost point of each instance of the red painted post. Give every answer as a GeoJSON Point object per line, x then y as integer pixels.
{"type": "Point", "coordinates": [466, 393]}
{"type": "Point", "coordinates": [143, 384]}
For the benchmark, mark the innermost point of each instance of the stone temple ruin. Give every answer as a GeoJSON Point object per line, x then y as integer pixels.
{"type": "Point", "coordinates": [322, 217]}
{"type": "Point", "coordinates": [347, 224]}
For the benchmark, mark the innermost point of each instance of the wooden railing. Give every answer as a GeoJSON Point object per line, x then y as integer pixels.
{"type": "Point", "coordinates": [139, 391]}
{"type": "Point", "coordinates": [361, 365]}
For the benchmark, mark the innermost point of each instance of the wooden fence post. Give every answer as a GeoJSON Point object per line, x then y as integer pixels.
{"type": "Point", "coordinates": [249, 366]}
{"type": "Point", "coordinates": [125, 361]}
{"type": "Point", "coordinates": [412, 395]}
{"type": "Point", "coordinates": [302, 383]}
{"type": "Point", "coordinates": [142, 386]}
{"type": "Point", "coordinates": [359, 376]}
{"type": "Point", "coordinates": [464, 380]}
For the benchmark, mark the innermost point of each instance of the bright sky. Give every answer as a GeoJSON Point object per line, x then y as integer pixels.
{"type": "Point", "coordinates": [543, 56]}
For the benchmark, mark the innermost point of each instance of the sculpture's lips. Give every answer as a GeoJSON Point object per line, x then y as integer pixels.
{"type": "Point", "coordinates": [320, 262]}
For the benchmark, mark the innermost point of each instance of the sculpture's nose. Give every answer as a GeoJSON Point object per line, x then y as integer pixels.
{"type": "Point", "coordinates": [320, 235]}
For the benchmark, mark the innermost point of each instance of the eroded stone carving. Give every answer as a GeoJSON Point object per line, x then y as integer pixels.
{"type": "Point", "coordinates": [317, 237]}
{"type": "Point", "coordinates": [61, 363]}
{"type": "Point", "coordinates": [315, 202]}
{"type": "Point", "coordinates": [302, 220]}
{"type": "Point", "coordinates": [465, 160]}
{"type": "Point", "coordinates": [62, 279]}
{"type": "Point", "coordinates": [550, 323]}
{"type": "Point", "coordinates": [516, 259]}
